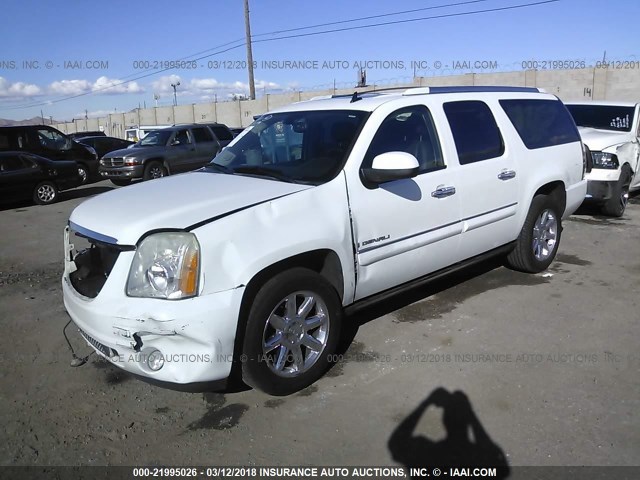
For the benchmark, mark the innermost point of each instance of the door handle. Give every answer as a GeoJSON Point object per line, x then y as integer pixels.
{"type": "Point", "coordinates": [442, 192]}
{"type": "Point", "coordinates": [507, 174]}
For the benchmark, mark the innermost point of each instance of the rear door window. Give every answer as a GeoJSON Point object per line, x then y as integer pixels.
{"type": "Point", "coordinates": [11, 163]}
{"type": "Point", "coordinates": [202, 134]}
{"type": "Point", "coordinates": [475, 132]}
{"type": "Point", "coordinates": [541, 123]}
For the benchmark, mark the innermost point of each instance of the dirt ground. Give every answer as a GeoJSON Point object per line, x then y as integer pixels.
{"type": "Point", "coordinates": [546, 369]}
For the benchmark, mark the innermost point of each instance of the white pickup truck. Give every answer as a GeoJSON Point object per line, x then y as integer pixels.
{"type": "Point", "coordinates": [249, 263]}
{"type": "Point", "coordinates": [611, 131]}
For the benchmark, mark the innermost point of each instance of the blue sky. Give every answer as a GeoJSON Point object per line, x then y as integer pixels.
{"type": "Point", "coordinates": [56, 50]}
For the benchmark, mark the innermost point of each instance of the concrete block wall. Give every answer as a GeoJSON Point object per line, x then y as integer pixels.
{"type": "Point", "coordinates": [569, 85]}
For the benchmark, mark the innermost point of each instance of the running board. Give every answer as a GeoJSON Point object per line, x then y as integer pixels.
{"type": "Point", "coordinates": [393, 291]}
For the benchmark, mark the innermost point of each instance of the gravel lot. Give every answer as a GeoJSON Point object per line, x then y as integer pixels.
{"type": "Point", "coordinates": [547, 365]}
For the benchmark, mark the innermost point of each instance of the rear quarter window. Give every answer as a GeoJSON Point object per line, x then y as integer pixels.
{"type": "Point", "coordinates": [222, 133]}
{"type": "Point", "coordinates": [541, 123]}
{"type": "Point", "coordinates": [474, 130]}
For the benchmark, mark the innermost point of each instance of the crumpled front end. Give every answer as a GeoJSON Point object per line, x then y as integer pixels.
{"type": "Point", "coordinates": [178, 341]}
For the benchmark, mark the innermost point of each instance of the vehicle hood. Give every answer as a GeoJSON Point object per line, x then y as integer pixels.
{"type": "Point", "coordinates": [598, 140]}
{"type": "Point", "coordinates": [137, 152]}
{"type": "Point", "coordinates": [122, 216]}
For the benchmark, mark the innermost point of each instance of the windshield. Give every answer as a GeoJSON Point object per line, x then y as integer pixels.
{"type": "Point", "coordinates": [306, 147]}
{"type": "Point", "coordinates": [604, 117]}
{"type": "Point", "coordinates": [54, 140]}
{"type": "Point", "coordinates": [155, 138]}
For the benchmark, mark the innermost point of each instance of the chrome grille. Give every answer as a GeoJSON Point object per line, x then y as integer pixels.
{"type": "Point", "coordinates": [113, 162]}
{"type": "Point", "coordinates": [106, 351]}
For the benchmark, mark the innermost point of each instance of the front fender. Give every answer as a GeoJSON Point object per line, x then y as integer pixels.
{"type": "Point", "coordinates": [236, 247]}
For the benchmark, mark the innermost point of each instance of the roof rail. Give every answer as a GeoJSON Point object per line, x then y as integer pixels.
{"type": "Point", "coordinates": [470, 89]}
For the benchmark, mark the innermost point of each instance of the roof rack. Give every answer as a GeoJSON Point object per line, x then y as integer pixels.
{"type": "Point", "coordinates": [469, 89]}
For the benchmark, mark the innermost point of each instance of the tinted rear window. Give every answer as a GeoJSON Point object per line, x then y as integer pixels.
{"type": "Point", "coordinates": [475, 131]}
{"type": "Point", "coordinates": [202, 134]}
{"type": "Point", "coordinates": [541, 123]}
{"type": "Point", "coordinates": [222, 133]}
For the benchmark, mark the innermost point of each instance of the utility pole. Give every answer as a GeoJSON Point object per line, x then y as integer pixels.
{"type": "Point", "coordinates": [247, 25]}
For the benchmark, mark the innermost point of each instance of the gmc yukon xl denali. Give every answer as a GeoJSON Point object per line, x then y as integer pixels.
{"type": "Point", "coordinates": [318, 206]}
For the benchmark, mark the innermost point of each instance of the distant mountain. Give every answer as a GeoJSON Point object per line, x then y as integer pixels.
{"type": "Point", "coordinates": [31, 121]}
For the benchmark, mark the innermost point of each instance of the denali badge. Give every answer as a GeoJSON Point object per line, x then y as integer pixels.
{"type": "Point", "coordinates": [374, 240]}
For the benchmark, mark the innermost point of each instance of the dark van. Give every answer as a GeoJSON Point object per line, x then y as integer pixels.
{"type": "Point", "coordinates": [50, 143]}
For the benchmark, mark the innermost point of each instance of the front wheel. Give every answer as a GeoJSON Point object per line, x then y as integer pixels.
{"type": "Point", "coordinates": [292, 330]}
{"type": "Point", "coordinates": [45, 193]}
{"type": "Point", "coordinates": [84, 173]}
{"type": "Point", "coordinates": [154, 170]}
{"type": "Point", "coordinates": [616, 205]}
{"type": "Point", "coordinates": [537, 244]}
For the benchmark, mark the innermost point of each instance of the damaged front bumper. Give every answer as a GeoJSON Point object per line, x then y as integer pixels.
{"type": "Point", "coordinates": [194, 337]}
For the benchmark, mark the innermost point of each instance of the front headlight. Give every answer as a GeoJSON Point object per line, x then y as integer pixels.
{"type": "Point", "coordinates": [166, 265]}
{"type": "Point", "coordinates": [93, 152]}
{"type": "Point", "coordinates": [605, 160]}
{"type": "Point", "coordinates": [131, 161]}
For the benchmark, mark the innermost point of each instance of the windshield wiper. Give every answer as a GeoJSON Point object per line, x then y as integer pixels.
{"type": "Point", "coordinates": [263, 171]}
{"type": "Point", "coordinates": [218, 167]}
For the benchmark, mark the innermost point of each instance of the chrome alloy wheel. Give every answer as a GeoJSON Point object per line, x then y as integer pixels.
{"type": "Point", "coordinates": [83, 174]}
{"type": "Point", "coordinates": [295, 334]}
{"type": "Point", "coordinates": [46, 193]}
{"type": "Point", "coordinates": [156, 171]}
{"type": "Point", "coordinates": [545, 235]}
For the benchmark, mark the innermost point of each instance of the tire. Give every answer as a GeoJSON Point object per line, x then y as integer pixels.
{"type": "Point", "coordinates": [153, 170]}
{"type": "Point", "coordinates": [121, 183]}
{"type": "Point", "coordinates": [84, 173]}
{"type": "Point", "coordinates": [616, 205]}
{"type": "Point", "coordinates": [537, 244]}
{"type": "Point", "coordinates": [273, 335]}
{"type": "Point", "coordinates": [45, 193]}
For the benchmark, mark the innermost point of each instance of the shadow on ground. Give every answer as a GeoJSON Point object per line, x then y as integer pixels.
{"type": "Point", "coordinates": [466, 444]}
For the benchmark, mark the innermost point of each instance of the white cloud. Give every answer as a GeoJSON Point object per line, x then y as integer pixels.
{"type": "Point", "coordinates": [18, 89]}
{"type": "Point", "coordinates": [103, 85]}
{"type": "Point", "coordinates": [115, 86]}
{"type": "Point", "coordinates": [206, 87]}
{"type": "Point", "coordinates": [69, 87]}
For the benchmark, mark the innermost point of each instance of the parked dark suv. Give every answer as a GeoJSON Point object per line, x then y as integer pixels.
{"type": "Point", "coordinates": [50, 143]}
{"type": "Point", "coordinates": [176, 149]}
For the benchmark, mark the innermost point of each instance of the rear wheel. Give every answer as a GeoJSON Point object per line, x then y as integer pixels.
{"type": "Point", "coordinates": [154, 170]}
{"type": "Point", "coordinates": [537, 244]}
{"type": "Point", "coordinates": [45, 193]}
{"type": "Point", "coordinates": [616, 205]}
{"type": "Point", "coordinates": [292, 330]}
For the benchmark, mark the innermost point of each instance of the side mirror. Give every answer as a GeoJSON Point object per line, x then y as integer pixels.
{"type": "Point", "coordinates": [391, 166]}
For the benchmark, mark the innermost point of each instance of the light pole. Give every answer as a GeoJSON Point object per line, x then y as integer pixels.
{"type": "Point", "coordinates": [175, 99]}
{"type": "Point", "coordinates": [247, 26]}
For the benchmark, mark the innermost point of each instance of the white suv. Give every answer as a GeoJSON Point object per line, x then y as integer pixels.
{"type": "Point", "coordinates": [334, 202]}
{"type": "Point", "coordinates": [611, 131]}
